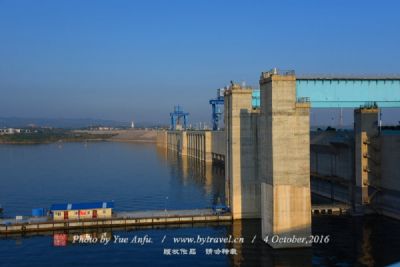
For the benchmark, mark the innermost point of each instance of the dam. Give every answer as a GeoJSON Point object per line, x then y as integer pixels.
{"type": "Point", "coordinates": [273, 162]}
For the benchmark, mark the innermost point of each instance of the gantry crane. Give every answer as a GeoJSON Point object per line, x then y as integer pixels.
{"type": "Point", "coordinates": [217, 105]}
{"type": "Point", "coordinates": [176, 118]}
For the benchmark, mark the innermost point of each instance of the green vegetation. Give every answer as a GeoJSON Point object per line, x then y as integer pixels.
{"type": "Point", "coordinates": [47, 135]}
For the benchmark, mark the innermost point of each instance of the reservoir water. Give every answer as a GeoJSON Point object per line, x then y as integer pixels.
{"type": "Point", "coordinates": [142, 177]}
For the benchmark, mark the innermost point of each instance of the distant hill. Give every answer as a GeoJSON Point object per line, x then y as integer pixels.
{"type": "Point", "coordinates": [57, 122]}
{"type": "Point", "coordinates": [16, 122]}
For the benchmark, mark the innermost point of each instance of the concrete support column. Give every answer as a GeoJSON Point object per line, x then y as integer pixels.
{"type": "Point", "coordinates": [195, 146]}
{"type": "Point", "coordinates": [244, 188]}
{"type": "Point", "coordinates": [367, 169]}
{"type": "Point", "coordinates": [284, 164]}
{"type": "Point", "coordinates": [171, 136]}
{"type": "Point", "coordinates": [174, 142]}
{"type": "Point", "coordinates": [169, 140]}
{"type": "Point", "coordinates": [190, 145]}
{"type": "Point", "coordinates": [183, 148]}
{"type": "Point", "coordinates": [208, 147]}
{"type": "Point", "coordinates": [203, 147]}
{"type": "Point", "coordinates": [200, 146]}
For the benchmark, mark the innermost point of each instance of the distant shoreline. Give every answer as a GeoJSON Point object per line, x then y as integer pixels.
{"type": "Point", "coordinates": [51, 142]}
{"type": "Point", "coordinates": [75, 136]}
{"type": "Point", "coordinates": [50, 136]}
{"type": "Point", "coordinates": [78, 141]}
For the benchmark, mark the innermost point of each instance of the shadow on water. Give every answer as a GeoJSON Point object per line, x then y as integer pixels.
{"type": "Point", "coordinates": [255, 252]}
{"type": "Point", "coordinates": [353, 241]}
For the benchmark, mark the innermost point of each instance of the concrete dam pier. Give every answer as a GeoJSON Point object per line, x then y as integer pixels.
{"type": "Point", "coordinates": [273, 162]}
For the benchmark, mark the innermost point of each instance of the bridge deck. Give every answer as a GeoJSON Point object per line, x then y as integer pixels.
{"type": "Point", "coordinates": [350, 92]}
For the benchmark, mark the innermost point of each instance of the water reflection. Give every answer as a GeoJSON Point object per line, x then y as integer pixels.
{"type": "Point", "coordinates": [254, 252]}
{"type": "Point", "coordinates": [210, 177]}
{"type": "Point", "coordinates": [366, 257]}
{"type": "Point", "coordinates": [140, 179]}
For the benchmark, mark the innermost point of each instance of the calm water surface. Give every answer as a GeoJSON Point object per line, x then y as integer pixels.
{"type": "Point", "coordinates": [142, 177]}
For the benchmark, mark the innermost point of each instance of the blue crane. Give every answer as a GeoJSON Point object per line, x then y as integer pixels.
{"type": "Point", "coordinates": [176, 118]}
{"type": "Point", "coordinates": [216, 105]}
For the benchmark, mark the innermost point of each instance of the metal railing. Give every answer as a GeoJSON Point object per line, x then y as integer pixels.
{"type": "Point", "coordinates": [303, 100]}
{"type": "Point", "coordinates": [348, 76]}
{"type": "Point", "coordinates": [276, 71]}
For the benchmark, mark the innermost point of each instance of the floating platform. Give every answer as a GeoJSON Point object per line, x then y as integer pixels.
{"type": "Point", "coordinates": [119, 219]}
{"type": "Point", "coordinates": [138, 218]}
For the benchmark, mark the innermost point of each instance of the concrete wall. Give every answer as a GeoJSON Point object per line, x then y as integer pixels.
{"type": "Point", "coordinates": [333, 171]}
{"type": "Point", "coordinates": [218, 143]}
{"type": "Point", "coordinates": [202, 145]}
{"type": "Point", "coordinates": [135, 135]}
{"type": "Point", "coordinates": [390, 158]}
{"type": "Point", "coordinates": [199, 145]}
{"type": "Point", "coordinates": [332, 164]}
{"type": "Point", "coordinates": [161, 138]}
{"type": "Point", "coordinates": [389, 197]}
{"type": "Point", "coordinates": [174, 140]}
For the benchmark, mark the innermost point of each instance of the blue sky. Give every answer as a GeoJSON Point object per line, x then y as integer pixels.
{"type": "Point", "coordinates": [135, 59]}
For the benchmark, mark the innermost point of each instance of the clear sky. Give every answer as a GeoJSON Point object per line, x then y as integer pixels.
{"type": "Point", "coordinates": [135, 59]}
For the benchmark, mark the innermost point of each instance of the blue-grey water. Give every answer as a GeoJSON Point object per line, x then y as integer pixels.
{"type": "Point", "coordinates": [142, 177]}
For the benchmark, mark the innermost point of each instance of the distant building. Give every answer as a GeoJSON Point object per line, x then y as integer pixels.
{"type": "Point", "coordinates": [105, 128]}
{"type": "Point", "coordinates": [10, 131]}
{"type": "Point", "coordinates": [77, 211]}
